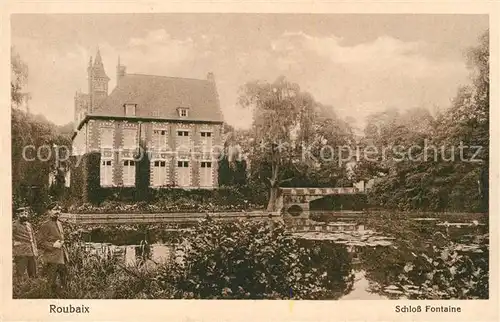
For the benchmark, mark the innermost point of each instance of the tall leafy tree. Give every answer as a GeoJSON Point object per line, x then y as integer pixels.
{"type": "Point", "coordinates": [294, 139]}
{"type": "Point", "coordinates": [19, 78]}
{"type": "Point", "coordinates": [33, 139]}
{"type": "Point", "coordinates": [282, 120]}
{"type": "Point", "coordinates": [447, 177]}
{"type": "Point", "coordinates": [233, 165]}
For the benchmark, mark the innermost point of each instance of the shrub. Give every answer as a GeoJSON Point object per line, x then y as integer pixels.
{"type": "Point", "coordinates": [354, 202]}
{"type": "Point", "coordinates": [37, 288]}
{"type": "Point", "coordinates": [123, 200]}
{"type": "Point", "coordinates": [92, 166]}
{"type": "Point", "coordinates": [95, 277]}
{"type": "Point", "coordinates": [254, 260]}
{"type": "Point", "coordinates": [230, 260]}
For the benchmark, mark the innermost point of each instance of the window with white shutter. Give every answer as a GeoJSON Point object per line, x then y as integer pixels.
{"type": "Point", "coordinates": [160, 173]}
{"type": "Point", "coordinates": [206, 179]}
{"type": "Point", "coordinates": [160, 139]}
{"type": "Point", "coordinates": [107, 137]}
{"type": "Point", "coordinates": [183, 174]}
{"type": "Point", "coordinates": [183, 141]}
{"type": "Point", "coordinates": [130, 138]}
{"type": "Point", "coordinates": [106, 172]}
{"type": "Point", "coordinates": [206, 140]}
{"type": "Point", "coordinates": [129, 173]}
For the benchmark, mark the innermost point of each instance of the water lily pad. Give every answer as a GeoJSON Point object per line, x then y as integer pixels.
{"type": "Point", "coordinates": [409, 286]}
{"type": "Point", "coordinates": [383, 243]}
{"type": "Point", "coordinates": [392, 289]}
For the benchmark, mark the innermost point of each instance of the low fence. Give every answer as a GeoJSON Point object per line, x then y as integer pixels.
{"type": "Point", "coordinates": [174, 218]}
{"type": "Point", "coordinates": [181, 218]}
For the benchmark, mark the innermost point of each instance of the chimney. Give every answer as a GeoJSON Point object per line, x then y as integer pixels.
{"type": "Point", "coordinates": [210, 77]}
{"type": "Point", "coordinates": [120, 72]}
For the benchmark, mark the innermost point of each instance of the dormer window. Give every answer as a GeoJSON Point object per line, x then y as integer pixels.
{"type": "Point", "coordinates": [183, 111]}
{"type": "Point", "coordinates": [130, 109]}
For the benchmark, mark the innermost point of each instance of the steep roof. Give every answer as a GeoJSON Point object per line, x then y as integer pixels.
{"type": "Point", "coordinates": [98, 68]}
{"type": "Point", "coordinates": [160, 97]}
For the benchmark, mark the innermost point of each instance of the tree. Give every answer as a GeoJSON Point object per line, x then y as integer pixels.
{"type": "Point", "coordinates": [294, 140]}
{"type": "Point", "coordinates": [143, 168]}
{"type": "Point", "coordinates": [448, 178]}
{"type": "Point", "coordinates": [33, 138]}
{"type": "Point", "coordinates": [328, 145]}
{"type": "Point", "coordinates": [233, 164]}
{"type": "Point", "coordinates": [19, 77]}
{"type": "Point", "coordinates": [282, 120]}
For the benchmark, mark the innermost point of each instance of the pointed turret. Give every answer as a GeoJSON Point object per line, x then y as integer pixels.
{"type": "Point", "coordinates": [98, 59]}
{"type": "Point", "coordinates": [99, 66]}
{"type": "Point", "coordinates": [98, 82]}
{"type": "Point", "coordinates": [89, 75]}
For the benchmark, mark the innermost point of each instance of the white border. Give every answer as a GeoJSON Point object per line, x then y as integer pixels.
{"type": "Point", "coordinates": [190, 310]}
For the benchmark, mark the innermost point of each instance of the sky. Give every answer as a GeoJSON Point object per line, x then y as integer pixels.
{"type": "Point", "coordinates": [359, 64]}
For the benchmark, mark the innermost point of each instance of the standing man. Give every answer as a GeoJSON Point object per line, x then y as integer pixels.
{"type": "Point", "coordinates": [25, 249]}
{"type": "Point", "coordinates": [55, 254]}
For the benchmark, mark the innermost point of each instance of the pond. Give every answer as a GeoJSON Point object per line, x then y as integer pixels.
{"type": "Point", "coordinates": [406, 256]}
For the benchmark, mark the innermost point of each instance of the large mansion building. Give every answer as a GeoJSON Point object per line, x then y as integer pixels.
{"type": "Point", "coordinates": [177, 121]}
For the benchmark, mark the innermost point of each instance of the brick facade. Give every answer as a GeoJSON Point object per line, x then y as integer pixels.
{"type": "Point", "coordinates": [171, 153]}
{"type": "Point", "coordinates": [168, 104]}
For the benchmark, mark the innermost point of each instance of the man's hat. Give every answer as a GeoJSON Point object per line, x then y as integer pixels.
{"type": "Point", "coordinates": [54, 209]}
{"type": "Point", "coordinates": [22, 211]}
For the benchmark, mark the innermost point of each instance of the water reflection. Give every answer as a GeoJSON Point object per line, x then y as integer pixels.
{"type": "Point", "coordinates": [411, 257]}
{"type": "Point", "coordinates": [388, 257]}
{"type": "Point", "coordinates": [130, 254]}
{"type": "Point", "coordinates": [361, 289]}
{"type": "Point", "coordinates": [428, 258]}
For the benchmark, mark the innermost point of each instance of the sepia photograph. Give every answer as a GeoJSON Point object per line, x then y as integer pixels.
{"type": "Point", "coordinates": [250, 156]}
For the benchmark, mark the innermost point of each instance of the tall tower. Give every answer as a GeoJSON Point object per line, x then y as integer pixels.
{"type": "Point", "coordinates": [98, 82]}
